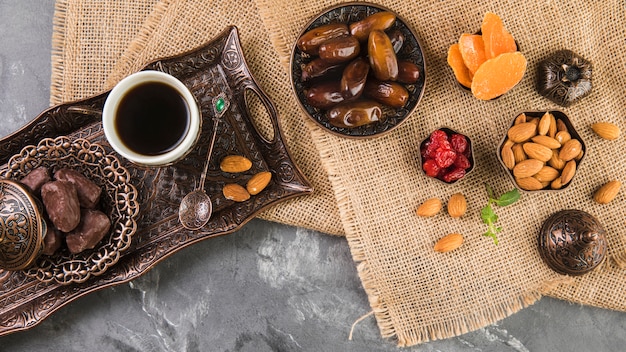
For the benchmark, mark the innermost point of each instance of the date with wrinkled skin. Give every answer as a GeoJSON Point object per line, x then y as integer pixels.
{"type": "Point", "coordinates": [340, 49]}
{"type": "Point", "coordinates": [387, 93]}
{"type": "Point", "coordinates": [324, 95]}
{"type": "Point", "coordinates": [310, 41]}
{"type": "Point", "coordinates": [408, 72]}
{"type": "Point", "coordinates": [397, 39]}
{"type": "Point", "coordinates": [382, 57]}
{"type": "Point", "coordinates": [318, 68]}
{"type": "Point", "coordinates": [378, 21]}
{"type": "Point", "coordinates": [354, 114]}
{"type": "Point", "coordinates": [354, 78]}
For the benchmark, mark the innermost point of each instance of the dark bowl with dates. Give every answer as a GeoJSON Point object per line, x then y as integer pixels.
{"type": "Point", "coordinates": [446, 155]}
{"type": "Point", "coordinates": [358, 70]}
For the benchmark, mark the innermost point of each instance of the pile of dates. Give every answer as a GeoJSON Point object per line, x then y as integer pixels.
{"type": "Point", "coordinates": [354, 70]}
{"type": "Point", "coordinates": [70, 202]}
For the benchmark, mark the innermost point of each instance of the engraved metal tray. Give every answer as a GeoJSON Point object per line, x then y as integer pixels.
{"type": "Point", "coordinates": [217, 67]}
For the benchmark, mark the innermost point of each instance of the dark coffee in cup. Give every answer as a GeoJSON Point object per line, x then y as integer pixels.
{"type": "Point", "coordinates": [152, 118]}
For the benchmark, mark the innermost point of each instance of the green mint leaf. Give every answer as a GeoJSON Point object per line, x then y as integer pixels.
{"type": "Point", "coordinates": [508, 198]}
{"type": "Point", "coordinates": [489, 192]}
{"type": "Point", "coordinates": [487, 215]}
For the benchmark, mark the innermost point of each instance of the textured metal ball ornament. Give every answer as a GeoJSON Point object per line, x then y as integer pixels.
{"type": "Point", "coordinates": [572, 242]}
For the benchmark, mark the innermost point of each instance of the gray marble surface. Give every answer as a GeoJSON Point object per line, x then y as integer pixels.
{"type": "Point", "coordinates": [267, 287]}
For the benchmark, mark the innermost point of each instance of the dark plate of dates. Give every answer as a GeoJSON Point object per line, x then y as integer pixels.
{"type": "Point", "coordinates": [358, 70]}
{"type": "Point", "coordinates": [119, 201]}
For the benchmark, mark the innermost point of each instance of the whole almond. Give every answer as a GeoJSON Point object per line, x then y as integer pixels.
{"type": "Point", "coordinates": [522, 132]}
{"type": "Point", "coordinates": [457, 205]}
{"type": "Point", "coordinates": [562, 137]}
{"type": "Point", "coordinates": [552, 129]}
{"type": "Point", "coordinates": [430, 207]}
{"type": "Point", "coordinates": [235, 192]}
{"type": "Point", "coordinates": [546, 141]}
{"type": "Point", "coordinates": [570, 150]}
{"type": "Point", "coordinates": [527, 168]}
{"type": "Point", "coordinates": [606, 130]}
{"type": "Point", "coordinates": [449, 243]}
{"type": "Point", "coordinates": [537, 151]}
{"type": "Point", "coordinates": [521, 118]}
{"type": "Point", "coordinates": [569, 170]}
{"type": "Point", "coordinates": [547, 174]}
{"type": "Point", "coordinates": [529, 183]}
{"type": "Point", "coordinates": [560, 125]}
{"type": "Point", "coordinates": [533, 120]}
{"type": "Point", "coordinates": [508, 158]}
{"type": "Point", "coordinates": [607, 192]}
{"type": "Point", "coordinates": [579, 156]}
{"type": "Point", "coordinates": [544, 124]}
{"type": "Point", "coordinates": [518, 153]}
{"type": "Point", "coordinates": [258, 182]}
{"type": "Point", "coordinates": [508, 143]}
{"type": "Point", "coordinates": [555, 161]}
{"type": "Point", "coordinates": [556, 184]}
{"type": "Point", "coordinates": [235, 164]}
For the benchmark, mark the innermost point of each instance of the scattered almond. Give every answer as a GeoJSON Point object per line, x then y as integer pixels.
{"type": "Point", "coordinates": [570, 150]}
{"type": "Point", "coordinates": [449, 243]}
{"type": "Point", "coordinates": [235, 164]}
{"type": "Point", "coordinates": [537, 151]}
{"type": "Point", "coordinates": [522, 132]}
{"type": "Point", "coordinates": [258, 182]}
{"type": "Point", "coordinates": [607, 192]}
{"type": "Point", "coordinates": [430, 207]}
{"type": "Point", "coordinates": [527, 168]}
{"type": "Point", "coordinates": [606, 130]}
{"type": "Point", "coordinates": [457, 205]}
{"type": "Point", "coordinates": [235, 192]}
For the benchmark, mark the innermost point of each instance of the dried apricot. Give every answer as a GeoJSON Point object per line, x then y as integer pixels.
{"type": "Point", "coordinates": [496, 38]}
{"type": "Point", "coordinates": [461, 72]}
{"type": "Point", "coordinates": [472, 50]}
{"type": "Point", "coordinates": [498, 75]}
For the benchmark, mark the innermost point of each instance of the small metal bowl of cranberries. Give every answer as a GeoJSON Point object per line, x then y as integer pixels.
{"type": "Point", "coordinates": [446, 155]}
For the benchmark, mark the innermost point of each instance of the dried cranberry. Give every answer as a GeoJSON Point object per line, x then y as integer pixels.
{"type": "Point", "coordinates": [455, 174]}
{"type": "Point", "coordinates": [438, 135]}
{"type": "Point", "coordinates": [444, 157]}
{"type": "Point", "coordinates": [459, 143]}
{"type": "Point", "coordinates": [429, 151]}
{"type": "Point", "coordinates": [462, 161]}
{"type": "Point", "coordinates": [431, 168]}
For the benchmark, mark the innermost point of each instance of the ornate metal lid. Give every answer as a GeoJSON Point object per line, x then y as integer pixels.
{"type": "Point", "coordinates": [22, 227]}
{"type": "Point", "coordinates": [572, 242]}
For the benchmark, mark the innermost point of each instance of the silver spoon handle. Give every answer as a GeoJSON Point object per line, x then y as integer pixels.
{"type": "Point", "coordinates": [216, 121]}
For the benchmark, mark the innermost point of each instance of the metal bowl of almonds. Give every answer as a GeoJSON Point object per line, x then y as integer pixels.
{"type": "Point", "coordinates": [541, 151]}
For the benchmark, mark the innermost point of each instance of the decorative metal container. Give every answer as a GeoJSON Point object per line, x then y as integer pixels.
{"type": "Point", "coordinates": [22, 227]}
{"type": "Point", "coordinates": [572, 242]}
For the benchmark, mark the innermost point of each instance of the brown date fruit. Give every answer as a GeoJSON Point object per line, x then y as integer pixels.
{"type": "Point", "coordinates": [310, 41]}
{"type": "Point", "coordinates": [382, 57]}
{"type": "Point", "coordinates": [378, 21]}
{"type": "Point", "coordinates": [354, 113]}
{"type": "Point", "coordinates": [397, 39]}
{"type": "Point", "coordinates": [408, 72]}
{"type": "Point", "coordinates": [340, 49]}
{"type": "Point", "coordinates": [324, 95]}
{"type": "Point", "coordinates": [353, 78]}
{"type": "Point", "coordinates": [387, 93]}
{"type": "Point", "coordinates": [318, 68]}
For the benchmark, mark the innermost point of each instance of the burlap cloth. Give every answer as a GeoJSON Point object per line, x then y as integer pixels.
{"type": "Point", "coordinates": [369, 189]}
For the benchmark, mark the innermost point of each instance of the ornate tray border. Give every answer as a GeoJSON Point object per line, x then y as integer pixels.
{"type": "Point", "coordinates": [220, 64]}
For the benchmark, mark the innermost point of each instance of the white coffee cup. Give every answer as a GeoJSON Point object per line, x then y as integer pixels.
{"type": "Point", "coordinates": [151, 118]}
